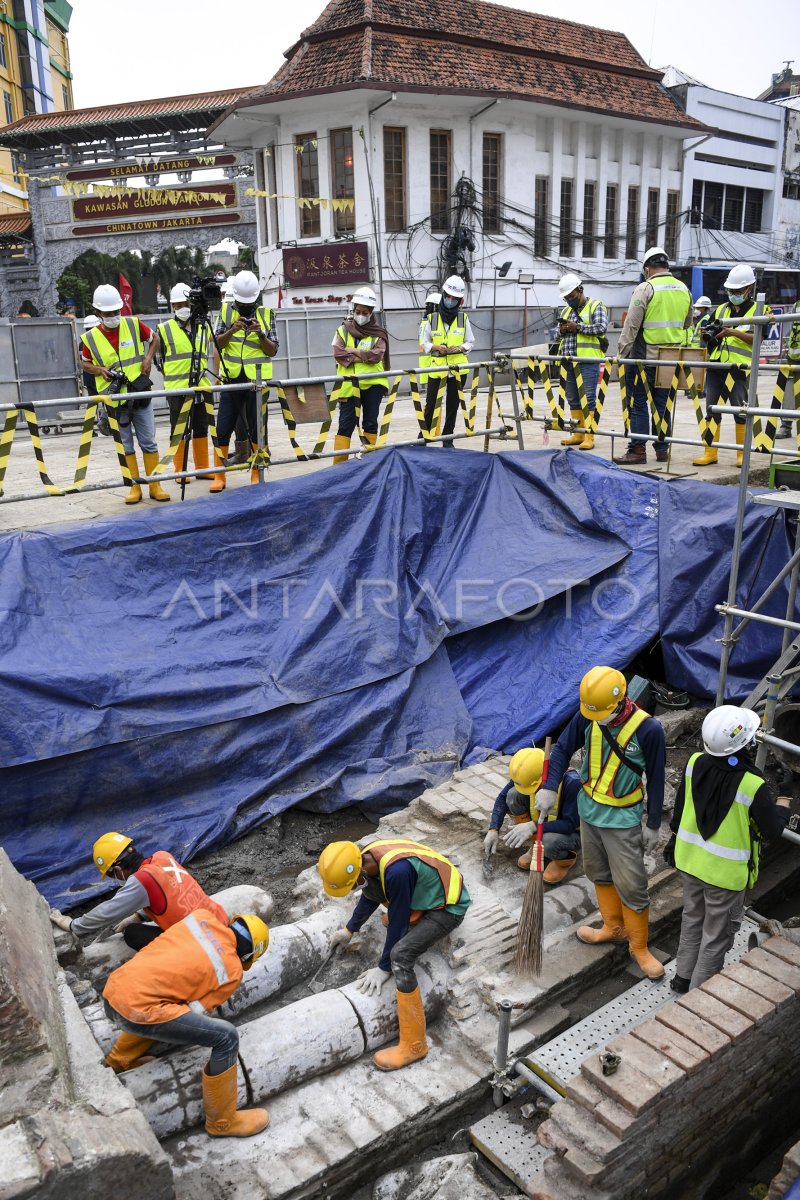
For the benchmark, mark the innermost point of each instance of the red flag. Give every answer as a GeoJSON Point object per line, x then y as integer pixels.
{"type": "Point", "coordinates": [280, 296]}
{"type": "Point", "coordinates": [126, 291]}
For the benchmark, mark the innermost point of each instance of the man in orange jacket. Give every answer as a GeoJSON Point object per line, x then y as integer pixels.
{"type": "Point", "coordinates": [155, 996]}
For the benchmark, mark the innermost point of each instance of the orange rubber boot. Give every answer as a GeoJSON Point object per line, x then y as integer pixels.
{"type": "Point", "coordinates": [219, 1103]}
{"type": "Point", "coordinates": [613, 927]}
{"type": "Point", "coordinates": [412, 1045]}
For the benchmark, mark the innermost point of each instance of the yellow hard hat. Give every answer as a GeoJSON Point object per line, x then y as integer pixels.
{"type": "Point", "coordinates": [259, 936]}
{"type": "Point", "coordinates": [526, 769]}
{"type": "Point", "coordinates": [602, 691]}
{"type": "Point", "coordinates": [107, 850]}
{"type": "Point", "coordinates": [339, 866]}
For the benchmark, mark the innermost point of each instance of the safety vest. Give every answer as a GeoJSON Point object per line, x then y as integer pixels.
{"type": "Point", "coordinates": [449, 335]}
{"type": "Point", "coordinates": [347, 388]}
{"type": "Point", "coordinates": [243, 352]}
{"type": "Point", "coordinates": [392, 850]}
{"type": "Point", "coordinates": [733, 349]}
{"type": "Point", "coordinates": [694, 334]}
{"type": "Point", "coordinates": [729, 858]}
{"type": "Point", "coordinates": [793, 349]}
{"type": "Point", "coordinates": [587, 344]}
{"type": "Point", "coordinates": [178, 353]}
{"type": "Point", "coordinates": [534, 813]}
{"type": "Point", "coordinates": [195, 960]}
{"type": "Point", "coordinates": [604, 776]}
{"type": "Point", "coordinates": [425, 360]}
{"type": "Point", "coordinates": [128, 358]}
{"type": "Point", "coordinates": [665, 315]}
{"type": "Point", "coordinates": [181, 891]}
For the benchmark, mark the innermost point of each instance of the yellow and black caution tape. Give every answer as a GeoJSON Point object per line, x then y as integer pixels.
{"type": "Point", "coordinates": [291, 423]}
{"type": "Point", "coordinates": [200, 395]}
{"type": "Point", "coordinates": [386, 419]}
{"type": "Point", "coordinates": [625, 397]}
{"type": "Point", "coordinates": [84, 447]}
{"type": "Point", "coordinates": [555, 400]}
{"type": "Point", "coordinates": [468, 409]}
{"type": "Point", "coordinates": [6, 441]}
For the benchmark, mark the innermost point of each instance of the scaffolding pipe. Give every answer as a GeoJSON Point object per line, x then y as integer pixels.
{"type": "Point", "coordinates": [536, 1081]}
{"type": "Point", "coordinates": [791, 565]}
{"type": "Point", "coordinates": [729, 610]}
{"type": "Point", "coordinates": [505, 1008]}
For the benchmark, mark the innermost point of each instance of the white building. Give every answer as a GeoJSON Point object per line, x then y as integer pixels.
{"type": "Point", "coordinates": [788, 223]}
{"type": "Point", "coordinates": [468, 135]}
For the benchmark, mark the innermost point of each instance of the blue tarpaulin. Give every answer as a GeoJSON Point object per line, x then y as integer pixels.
{"type": "Point", "coordinates": [345, 637]}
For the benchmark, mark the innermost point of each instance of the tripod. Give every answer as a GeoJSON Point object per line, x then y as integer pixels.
{"type": "Point", "coordinates": [198, 321]}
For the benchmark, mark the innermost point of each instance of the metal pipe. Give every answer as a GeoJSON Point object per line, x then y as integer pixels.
{"type": "Point", "coordinates": [792, 597]}
{"type": "Point", "coordinates": [515, 402]}
{"type": "Point", "coordinates": [791, 565]}
{"type": "Point", "coordinates": [774, 681]}
{"type": "Point", "coordinates": [771, 740]}
{"type": "Point", "coordinates": [536, 1081]}
{"type": "Point", "coordinates": [728, 610]}
{"type": "Point", "coordinates": [505, 1008]}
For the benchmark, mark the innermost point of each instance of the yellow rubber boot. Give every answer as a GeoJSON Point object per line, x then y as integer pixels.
{"type": "Point", "coordinates": [636, 924]}
{"type": "Point", "coordinates": [200, 452]}
{"type": "Point", "coordinates": [371, 439]}
{"type": "Point", "coordinates": [613, 928]}
{"type": "Point", "coordinates": [156, 490]}
{"type": "Point", "coordinates": [220, 479]}
{"type": "Point", "coordinates": [129, 1051]}
{"type": "Point", "coordinates": [135, 494]}
{"type": "Point", "coordinates": [577, 437]}
{"type": "Point", "coordinates": [178, 459]}
{"type": "Point", "coordinates": [524, 860]}
{"type": "Point", "coordinates": [588, 442]}
{"type": "Point", "coordinates": [340, 442]}
{"type": "Point", "coordinates": [412, 1045]}
{"type": "Point", "coordinates": [558, 869]}
{"type": "Point", "coordinates": [219, 1103]}
{"type": "Point", "coordinates": [739, 442]}
{"type": "Point", "coordinates": [254, 470]}
{"type": "Point", "coordinates": [709, 455]}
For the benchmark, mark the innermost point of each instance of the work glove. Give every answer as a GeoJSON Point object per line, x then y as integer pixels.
{"type": "Point", "coordinates": [60, 921]}
{"type": "Point", "coordinates": [371, 982]}
{"type": "Point", "coordinates": [651, 838]}
{"type": "Point", "coordinates": [490, 842]}
{"type": "Point", "coordinates": [519, 835]}
{"type": "Point", "coordinates": [340, 938]}
{"type": "Point", "coordinates": [545, 801]}
{"type": "Point", "coordinates": [133, 919]}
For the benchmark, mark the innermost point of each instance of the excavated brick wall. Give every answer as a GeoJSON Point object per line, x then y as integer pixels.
{"type": "Point", "coordinates": [696, 1084]}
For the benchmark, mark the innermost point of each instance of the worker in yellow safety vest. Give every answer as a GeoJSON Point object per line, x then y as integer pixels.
{"type": "Point", "coordinates": [723, 808]}
{"type": "Point", "coordinates": [582, 329]}
{"type": "Point", "coordinates": [791, 428]}
{"type": "Point", "coordinates": [447, 339]}
{"type": "Point", "coordinates": [361, 350]}
{"type": "Point", "coordinates": [621, 743]}
{"type": "Point", "coordinates": [432, 301]}
{"type": "Point", "coordinates": [182, 345]}
{"type": "Point", "coordinates": [426, 899]}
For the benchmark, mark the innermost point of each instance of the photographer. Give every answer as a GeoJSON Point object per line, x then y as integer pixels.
{"type": "Point", "coordinates": [177, 349]}
{"type": "Point", "coordinates": [247, 341]}
{"type": "Point", "coordinates": [114, 351]}
{"type": "Point", "coordinates": [582, 329]}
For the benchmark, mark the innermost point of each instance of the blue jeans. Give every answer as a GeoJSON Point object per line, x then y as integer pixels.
{"type": "Point", "coordinates": [640, 410]}
{"type": "Point", "coordinates": [142, 421]}
{"type": "Point", "coordinates": [558, 846]}
{"type": "Point", "coordinates": [370, 401]}
{"type": "Point", "coordinates": [190, 1029]}
{"type": "Point", "coordinates": [590, 372]}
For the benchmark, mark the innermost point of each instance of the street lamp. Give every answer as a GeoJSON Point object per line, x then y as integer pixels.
{"type": "Point", "coordinates": [525, 281]}
{"type": "Point", "coordinates": [500, 272]}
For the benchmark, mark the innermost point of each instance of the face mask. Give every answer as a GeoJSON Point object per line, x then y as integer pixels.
{"type": "Point", "coordinates": [361, 319]}
{"type": "Point", "coordinates": [736, 297]}
{"type": "Point", "coordinates": [450, 302]}
{"type": "Point", "coordinates": [182, 314]}
{"type": "Point", "coordinates": [111, 322]}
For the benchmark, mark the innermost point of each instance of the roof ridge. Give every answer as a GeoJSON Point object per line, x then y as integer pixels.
{"type": "Point", "coordinates": [223, 93]}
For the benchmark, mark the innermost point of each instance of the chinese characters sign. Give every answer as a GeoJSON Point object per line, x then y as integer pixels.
{"type": "Point", "coordinates": [337, 262]}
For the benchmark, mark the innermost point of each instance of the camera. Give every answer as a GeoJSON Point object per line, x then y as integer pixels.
{"type": "Point", "coordinates": [711, 331]}
{"type": "Point", "coordinates": [204, 295]}
{"type": "Point", "coordinates": [119, 381]}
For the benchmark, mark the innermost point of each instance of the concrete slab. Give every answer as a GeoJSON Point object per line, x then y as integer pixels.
{"type": "Point", "coordinates": [450, 1178]}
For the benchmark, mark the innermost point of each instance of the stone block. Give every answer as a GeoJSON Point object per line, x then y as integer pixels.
{"type": "Point", "coordinates": [626, 1087]}
{"type": "Point", "coordinates": [693, 1028]}
{"type": "Point", "coordinates": [663, 1072]}
{"type": "Point", "coordinates": [756, 981]}
{"type": "Point", "coordinates": [737, 997]}
{"type": "Point", "coordinates": [571, 1127]}
{"type": "Point", "coordinates": [726, 1019]}
{"type": "Point", "coordinates": [774, 965]}
{"type": "Point", "coordinates": [783, 948]}
{"type": "Point", "coordinates": [679, 1049]}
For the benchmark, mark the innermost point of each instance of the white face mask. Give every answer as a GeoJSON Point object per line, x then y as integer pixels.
{"type": "Point", "coordinates": [361, 318]}
{"type": "Point", "coordinates": [182, 314]}
{"type": "Point", "coordinates": [111, 322]}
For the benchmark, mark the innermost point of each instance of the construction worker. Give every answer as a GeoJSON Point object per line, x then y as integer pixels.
{"type": "Point", "coordinates": [155, 997]}
{"type": "Point", "coordinates": [659, 312]}
{"type": "Point", "coordinates": [733, 347]}
{"type": "Point", "coordinates": [120, 344]}
{"type": "Point", "coordinates": [582, 328]}
{"type": "Point", "coordinates": [561, 841]}
{"type": "Point", "coordinates": [447, 339]}
{"type": "Point", "coordinates": [158, 886]}
{"type": "Point", "coordinates": [621, 744]}
{"type": "Point", "coordinates": [426, 898]}
{"type": "Point", "coordinates": [701, 315]}
{"type": "Point", "coordinates": [426, 381]}
{"type": "Point", "coordinates": [791, 428]}
{"type": "Point", "coordinates": [361, 348]}
{"type": "Point", "coordinates": [247, 342]}
{"type": "Point", "coordinates": [723, 807]}
{"type": "Point", "coordinates": [181, 348]}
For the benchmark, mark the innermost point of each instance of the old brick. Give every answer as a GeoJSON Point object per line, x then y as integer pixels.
{"type": "Point", "coordinates": [679, 1049]}
{"type": "Point", "coordinates": [784, 949]}
{"type": "Point", "coordinates": [735, 996]}
{"type": "Point", "coordinates": [663, 1072]}
{"type": "Point", "coordinates": [580, 1091]}
{"type": "Point", "coordinates": [621, 1122]}
{"type": "Point", "coordinates": [694, 1029]}
{"type": "Point", "coordinates": [627, 1086]}
{"type": "Point", "coordinates": [586, 1169]}
{"type": "Point", "coordinates": [572, 1127]}
{"type": "Point", "coordinates": [726, 1019]}
{"type": "Point", "coordinates": [772, 964]}
{"type": "Point", "coordinates": [756, 981]}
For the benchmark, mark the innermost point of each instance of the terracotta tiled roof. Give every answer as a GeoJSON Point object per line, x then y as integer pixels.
{"type": "Point", "coordinates": [15, 223]}
{"type": "Point", "coordinates": [472, 47]}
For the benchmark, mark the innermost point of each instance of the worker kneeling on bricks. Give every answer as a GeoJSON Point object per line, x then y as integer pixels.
{"type": "Point", "coordinates": [561, 841]}
{"type": "Point", "coordinates": [167, 991]}
{"type": "Point", "coordinates": [426, 898]}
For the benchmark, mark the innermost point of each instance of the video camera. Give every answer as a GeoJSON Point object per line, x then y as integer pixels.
{"type": "Point", "coordinates": [204, 295]}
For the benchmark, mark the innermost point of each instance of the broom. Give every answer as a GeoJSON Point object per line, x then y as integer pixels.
{"type": "Point", "coordinates": [528, 953]}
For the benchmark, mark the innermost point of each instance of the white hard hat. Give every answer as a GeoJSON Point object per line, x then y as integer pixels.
{"type": "Point", "coordinates": [245, 287]}
{"type": "Point", "coordinates": [727, 729]}
{"type": "Point", "coordinates": [106, 298]}
{"type": "Point", "coordinates": [741, 275]}
{"type": "Point", "coordinates": [433, 298]}
{"type": "Point", "coordinates": [179, 293]}
{"type": "Point", "coordinates": [568, 283]}
{"type": "Point", "coordinates": [702, 302]}
{"type": "Point", "coordinates": [90, 321]}
{"type": "Point", "coordinates": [366, 296]}
{"type": "Point", "coordinates": [654, 252]}
{"type": "Point", "coordinates": [454, 286]}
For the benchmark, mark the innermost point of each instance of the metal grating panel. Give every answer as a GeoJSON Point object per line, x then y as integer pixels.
{"type": "Point", "coordinates": [507, 1139]}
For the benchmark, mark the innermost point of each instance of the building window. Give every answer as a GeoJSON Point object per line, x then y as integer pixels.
{"type": "Point", "coordinates": [394, 178]}
{"type": "Point", "coordinates": [65, 95]}
{"type": "Point", "coordinates": [344, 221]}
{"type": "Point", "coordinates": [491, 182]}
{"type": "Point", "coordinates": [3, 55]}
{"type": "Point", "coordinates": [632, 224]}
{"type": "Point", "coordinates": [541, 217]}
{"type": "Point", "coordinates": [734, 207]}
{"type": "Point", "coordinates": [9, 105]}
{"type": "Point", "coordinates": [671, 230]}
{"type": "Point", "coordinates": [308, 182]}
{"type": "Point", "coordinates": [651, 226]}
{"type": "Point", "coordinates": [726, 206]}
{"type": "Point", "coordinates": [566, 221]}
{"type": "Point", "coordinates": [440, 180]}
{"type": "Point", "coordinates": [791, 189]}
{"type": "Point", "coordinates": [753, 210]}
{"type": "Point", "coordinates": [15, 169]}
{"type": "Point", "coordinates": [697, 202]}
{"type": "Point", "coordinates": [610, 247]}
{"type": "Point", "coordinates": [272, 188]}
{"type": "Point", "coordinates": [589, 220]}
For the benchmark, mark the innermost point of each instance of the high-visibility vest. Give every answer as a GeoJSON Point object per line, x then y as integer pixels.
{"type": "Point", "coordinates": [587, 345]}
{"type": "Point", "coordinates": [425, 360]}
{"type": "Point", "coordinates": [453, 335]}
{"type": "Point", "coordinates": [182, 893]}
{"type": "Point", "coordinates": [534, 812]}
{"type": "Point", "coordinates": [195, 960]}
{"type": "Point", "coordinates": [793, 348]}
{"type": "Point", "coordinates": [604, 776]}
{"type": "Point", "coordinates": [395, 849]}
{"type": "Point", "coordinates": [733, 349]}
{"type": "Point", "coordinates": [243, 351]}
{"type": "Point", "coordinates": [694, 334]}
{"type": "Point", "coordinates": [177, 348]}
{"type": "Point", "coordinates": [729, 858]}
{"type": "Point", "coordinates": [665, 315]}
{"type": "Point", "coordinates": [128, 358]}
{"type": "Point", "coordinates": [347, 388]}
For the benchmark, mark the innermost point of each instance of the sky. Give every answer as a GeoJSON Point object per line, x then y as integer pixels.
{"type": "Point", "coordinates": [172, 47]}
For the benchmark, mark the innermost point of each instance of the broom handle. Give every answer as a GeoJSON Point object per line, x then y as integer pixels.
{"type": "Point", "coordinates": [538, 857]}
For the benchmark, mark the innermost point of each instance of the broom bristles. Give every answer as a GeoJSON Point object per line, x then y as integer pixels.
{"type": "Point", "coordinates": [528, 953]}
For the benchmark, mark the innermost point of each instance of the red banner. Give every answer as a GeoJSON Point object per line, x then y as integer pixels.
{"type": "Point", "coordinates": [126, 291]}
{"type": "Point", "coordinates": [337, 262]}
{"type": "Point", "coordinates": [212, 195]}
{"type": "Point", "coordinates": [157, 223]}
{"type": "Point", "coordinates": [202, 162]}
